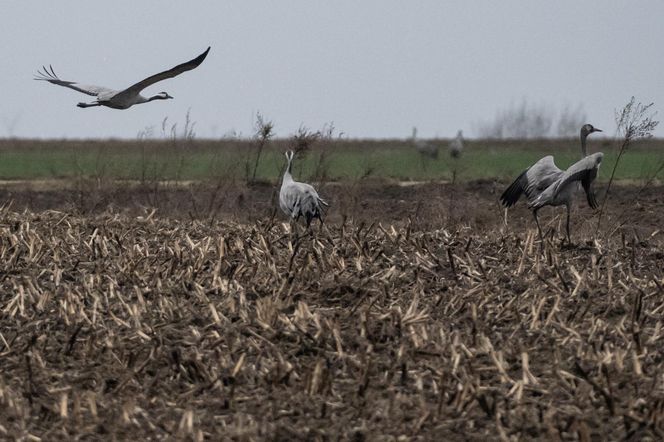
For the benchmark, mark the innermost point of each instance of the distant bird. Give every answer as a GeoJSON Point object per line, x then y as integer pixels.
{"type": "Point", "coordinates": [456, 145]}
{"type": "Point", "coordinates": [299, 199]}
{"type": "Point", "coordinates": [546, 185]}
{"type": "Point", "coordinates": [425, 148]}
{"type": "Point", "coordinates": [126, 98]}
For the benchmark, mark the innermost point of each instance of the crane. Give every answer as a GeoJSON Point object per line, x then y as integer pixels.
{"type": "Point", "coordinates": [456, 145]}
{"type": "Point", "coordinates": [425, 148]}
{"type": "Point", "coordinates": [546, 185]}
{"type": "Point", "coordinates": [298, 199]}
{"type": "Point", "coordinates": [122, 99]}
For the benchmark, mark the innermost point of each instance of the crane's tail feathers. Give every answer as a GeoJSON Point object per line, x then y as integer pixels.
{"type": "Point", "coordinates": [592, 200]}
{"type": "Point", "coordinates": [512, 194]}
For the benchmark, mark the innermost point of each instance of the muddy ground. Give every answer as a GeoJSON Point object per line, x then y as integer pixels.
{"type": "Point", "coordinates": [414, 313]}
{"type": "Point", "coordinates": [631, 207]}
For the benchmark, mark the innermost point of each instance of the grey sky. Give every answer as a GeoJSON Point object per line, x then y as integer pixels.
{"type": "Point", "coordinates": [373, 68]}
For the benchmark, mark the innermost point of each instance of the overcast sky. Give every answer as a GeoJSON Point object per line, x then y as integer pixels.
{"type": "Point", "coordinates": [372, 68]}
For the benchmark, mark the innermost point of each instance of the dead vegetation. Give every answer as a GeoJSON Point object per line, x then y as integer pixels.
{"type": "Point", "coordinates": [119, 326]}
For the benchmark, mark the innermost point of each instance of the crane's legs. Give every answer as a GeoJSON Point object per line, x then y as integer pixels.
{"type": "Point", "coordinates": [294, 232]}
{"type": "Point", "coordinates": [539, 229]}
{"type": "Point", "coordinates": [88, 104]}
{"type": "Point", "coordinates": [310, 229]}
{"type": "Point", "coordinates": [569, 240]}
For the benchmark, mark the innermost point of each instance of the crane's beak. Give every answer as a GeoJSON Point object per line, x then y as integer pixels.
{"type": "Point", "coordinates": [597, 130]}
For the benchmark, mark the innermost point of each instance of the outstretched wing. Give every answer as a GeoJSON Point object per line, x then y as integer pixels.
{"type": "Point", "coordinates": [51, 77]}
{"type": "Point", "coordinates": [532, 181]}
{"type": "Point", "coordinates": [512, 194]}
{"type": "Point", "coordinates": [590, 193]}
{"type": "Point", "coordinates": [177, 70]}
{"type": "Point", "coordinates": [541, 175]}
{"type": "Point", "coordinates": [584, 170]}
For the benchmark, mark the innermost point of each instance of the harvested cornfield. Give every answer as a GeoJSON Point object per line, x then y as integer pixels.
{"type": "Point", "coordinates": [118, 326]}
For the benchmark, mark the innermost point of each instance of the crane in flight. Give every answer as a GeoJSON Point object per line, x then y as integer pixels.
{"type": "Point", "coordinates": [126, 98]}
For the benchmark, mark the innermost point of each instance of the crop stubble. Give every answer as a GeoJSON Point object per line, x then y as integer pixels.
{"type": "Point", "coordinates": [135, 326]}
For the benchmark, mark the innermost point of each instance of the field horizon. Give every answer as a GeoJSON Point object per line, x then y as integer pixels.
{"type": "Point", "coordinates": [322, 160]}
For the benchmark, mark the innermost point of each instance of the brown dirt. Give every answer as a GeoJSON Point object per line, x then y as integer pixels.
{"type": "Point", "coordinates": [473, 204]}
{"type": "Point", "coordinates": [120, 322]}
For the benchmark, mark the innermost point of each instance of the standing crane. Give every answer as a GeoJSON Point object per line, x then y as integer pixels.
{"type": "Point", "coordinates": [299, 199]}
{"type": "Point", "coordinates": [546, 185]}
{"type": "Point", "coordinates": [456, 145]}
{"type": "Point", "coordinates": [122, 99]}
{"type": "Point", "coordinates": [425, 148]}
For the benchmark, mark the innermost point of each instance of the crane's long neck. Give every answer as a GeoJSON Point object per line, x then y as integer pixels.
{"type": "Point", "coordinates": [287, 174]}
{"type": "Point", "coordinates": [140, 99]}
{"type": "Point", "coordinates": [583, 144]}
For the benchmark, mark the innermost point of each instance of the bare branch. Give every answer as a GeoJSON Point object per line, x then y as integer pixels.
{"type": "Point", "coordinates": [635, 121]}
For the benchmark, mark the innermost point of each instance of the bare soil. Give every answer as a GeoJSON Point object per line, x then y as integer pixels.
{"type": "Point", "coordinates": [427, 204]}
{"type": "Point", "coordinates": [167, 312]}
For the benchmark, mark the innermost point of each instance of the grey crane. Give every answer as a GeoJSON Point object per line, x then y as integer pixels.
{"type": "Point", "coordinates": [299, 199]}
{"type": "Point", "coordinates": [546, 185]}
{"type": "Point", "coordinates": [122, 99]}
{"type": "Point", "coordinates": [456, 145]}
{"type": "Point", "coordinates": [425, 148]}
